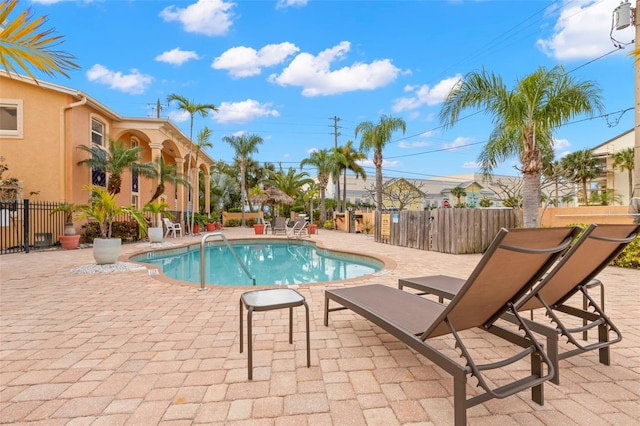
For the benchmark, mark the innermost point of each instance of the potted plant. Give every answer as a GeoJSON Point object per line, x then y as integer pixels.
{"type": "Point", "coordinates": [69, 240]}
{"type": "Point", "coordinates": [157, 208]}
{"type": "Point", "coordinates": [104, 209]}
{"type": "Point", "coordinates": [199, 221]}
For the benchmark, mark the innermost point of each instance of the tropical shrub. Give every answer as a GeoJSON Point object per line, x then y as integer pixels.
{"type": "Point", "coordinates": [630, 256]}
{"type": "Point", "coordinates": [328, 224]}
{"type": "Point", "coordinates": [232, 223]}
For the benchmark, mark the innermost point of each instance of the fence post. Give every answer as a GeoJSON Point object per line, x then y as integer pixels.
{"type": "Point", "coordinates": [25, 224]}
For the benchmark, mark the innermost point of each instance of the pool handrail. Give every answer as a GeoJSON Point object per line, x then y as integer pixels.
{"type": "Point", "coordinates": [205, 237]}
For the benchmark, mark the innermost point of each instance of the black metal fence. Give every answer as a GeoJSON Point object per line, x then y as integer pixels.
{"type": "Point", "coordinates": [29, 225]}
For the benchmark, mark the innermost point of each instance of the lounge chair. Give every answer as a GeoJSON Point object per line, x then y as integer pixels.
{"type": "Point", "coordinates": [171, 227]}
{"type": "Point", "coordinates": [512, 264]}
{"type": "Point", "coordinates": [299, 228]}
{"type": "Point", "coordinates": [574, 273]}
{"type": "Point", "coordinates": [279, 225]}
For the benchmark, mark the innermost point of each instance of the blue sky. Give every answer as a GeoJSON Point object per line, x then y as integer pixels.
{"type": "Point", "coordinates": [284, 69]}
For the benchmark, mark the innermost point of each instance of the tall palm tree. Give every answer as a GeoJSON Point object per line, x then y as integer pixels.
{"type": "Point", "coordinates": [166, 173]}
{"type": "Point", "coordinates": [23, 43]}
{"type": "Point", "coordinates": [244, 146]}
{"type": "Point", "coordinates": [114, 160]}
{"type": "Point", "coordinates": [338, 160]}
{"type": "Point", "coordinates": [581, 166]}
{"type": "Point", "coordinates": [351, 158]}
{"type": "Point", "coordinates": [375, 136]}
{"type": "Point", "coordinates": [191, 108]}
{"type": "Point", "coordinates": [524, 118]}
{"type": "Point", "coordinates": [322, 161]}
{"type": "Point", "coordinates": [624, 160]}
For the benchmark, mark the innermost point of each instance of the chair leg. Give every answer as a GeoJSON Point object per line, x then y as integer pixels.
{"type": "Point", "coordinates": [537, 392]}
{"type": "Point", "coordinates": [460, 399]}
{"type": "Point", "coordinates": [604, 352]}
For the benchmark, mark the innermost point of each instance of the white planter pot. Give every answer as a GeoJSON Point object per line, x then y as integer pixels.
{"type": "Point", "coordinates": [106, 250]}
{"type": "Point", "coordinates": [155, 234]}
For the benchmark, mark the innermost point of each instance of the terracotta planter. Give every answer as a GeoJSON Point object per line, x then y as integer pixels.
{"type": "Point", "coordinates": [211, 227]}
{"type": "Point", "coordinates": [69, 242]}
{"type": "Point", "coordinates": [217, 226]}
{"type": "Point", "coordinates": [258, 228]}
{"type": "Point", "coordinates": [196, 229]}
{"type": "Point", "coordinates": [106, 250]}
{"type": "Point", "coordinates": [313, 228]}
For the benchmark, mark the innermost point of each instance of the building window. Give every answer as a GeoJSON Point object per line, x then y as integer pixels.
{"type": "Point", "coordinates": [97, 132]}
{"type": "Point", "coordinates": [135, 200]}
{"type": "Point", "coordinates": [98, 177]}
{"type": "Point", "coordinates": [11, 118]}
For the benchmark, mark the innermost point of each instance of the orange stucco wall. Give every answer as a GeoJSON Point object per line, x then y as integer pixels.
{"type": "Point", "coordinates": [563, 216]}
{"type": "Point", "coordinates": [56, 121]}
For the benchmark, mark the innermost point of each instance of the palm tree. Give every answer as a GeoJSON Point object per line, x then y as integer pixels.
{"type": "Point", "coordinates": [166, 173]}
{"type": "Point", "coordinates": [581, 166]}
{"type": "Point", "coordinates": [624, 160]}
{"type": "Point", "coordinates": [244, 145]}
{"type": "Point", "coordinates": [337, 161]}
{"type": "Point", "coordinates": [191, 108]}
{"type": "Point", "coordinates": [351, 157]}
{"type": "Point", "coordinates": [458, 192]}
{"type": "Point", "coordinates": [291, 183]}
{"type": "Point", "coordinates": [203, 142]}
{"type": "Point", "coordinates": [322, 161]}
{"type": "Point", "coordinates": [376, 136]}
{"type": "Point", "coordinates": [24, 43]}
{"type": "Point", "coordinates": [524, 118]}
{"type": "Point", "coordinates": [223, 189]}
{"type": "Point", "coordinates": [115, 160]}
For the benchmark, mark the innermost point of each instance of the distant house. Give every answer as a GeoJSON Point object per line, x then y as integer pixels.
{"type": "Point", "coordinates": [401, 194]}
{"type": "Point", "coordinates": [42, 124]}
{"type": "Point", "coordinates": [612, 178]}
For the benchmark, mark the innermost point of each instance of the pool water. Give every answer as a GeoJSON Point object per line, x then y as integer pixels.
{"type": "Point", "coordinates": [270, 262]}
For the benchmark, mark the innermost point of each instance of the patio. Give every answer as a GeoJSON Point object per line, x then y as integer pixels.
{"type": "Point", "coordinates": [129, 348]}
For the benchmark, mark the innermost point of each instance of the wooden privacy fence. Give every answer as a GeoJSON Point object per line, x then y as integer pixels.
{"type": "Point", "coordinates": [455, 231]}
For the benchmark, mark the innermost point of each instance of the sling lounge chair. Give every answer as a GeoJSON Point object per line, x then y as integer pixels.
{"type": "Point", "coordinates": [574, 273]}
{"type": "Point", "coordinates": [512, 264]}
{"type": "Point", "coordinates": [300, 228]}
{"type": "Point", "coordinates": [279, 225]}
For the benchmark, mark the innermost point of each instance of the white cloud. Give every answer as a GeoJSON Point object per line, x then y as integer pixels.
{"type": "Point", "coordinates": [179, 116]}
{"type": "Point", "coordinates": [560, 144]}
{"type": "Point", "coordinates": [314, 74]}
{"type": "Point", "coordinates": [244, 61]}
{"type": "Point", "coordinates": [243, 112]}
{"type": "Point", "coordinates": [208, 17]}
{"type": "Point", "coordinates": [385, 163]}
{"type": "Point", "coordinates": [177, 56]}
{"type": "Point", "coordinates": [459, 142]}
{"type": "Point", "coordinates": [134, 83]}
{"type": "Point", "coordinates": [416, 144]}
{"type": "Point", "coordinates": [581, 31]}
{"type": "Point", "coordinates": [471, 165]}
{"type": "Point", "coordinates": [312, 150]}
{"type": "Point", "coordinates": [290, 3]}
{"type": "Point", "coordinates": [425, 95]}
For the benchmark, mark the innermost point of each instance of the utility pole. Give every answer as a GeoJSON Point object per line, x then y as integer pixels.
{"type": "Point", "coordinates": [335, 126]}
{"type": "Point", "coordinates": [158, 108]}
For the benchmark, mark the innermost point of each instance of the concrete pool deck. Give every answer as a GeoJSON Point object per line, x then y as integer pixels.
{"type": "Point", "coordinates": [128, 348]}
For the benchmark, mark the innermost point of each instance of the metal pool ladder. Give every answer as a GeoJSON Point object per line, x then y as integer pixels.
{"type": "Point", "coordinates": [205, 237]}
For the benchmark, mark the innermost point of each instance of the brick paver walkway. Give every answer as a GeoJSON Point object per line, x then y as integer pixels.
{"type": "Point", "coordinates": [128, 348]}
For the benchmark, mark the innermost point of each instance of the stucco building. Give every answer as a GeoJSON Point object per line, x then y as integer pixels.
{"type": "Point", "coordinates": [42, 124]}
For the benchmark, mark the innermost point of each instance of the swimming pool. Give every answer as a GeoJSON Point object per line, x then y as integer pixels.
{"type": "Point", "coordinates": [271, 262]}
